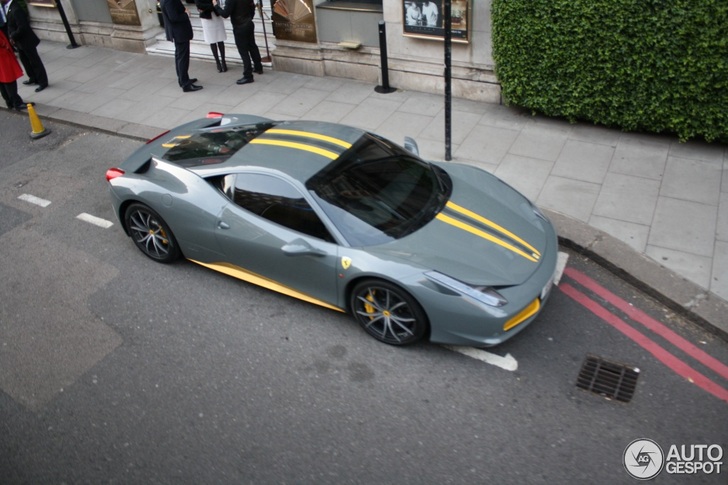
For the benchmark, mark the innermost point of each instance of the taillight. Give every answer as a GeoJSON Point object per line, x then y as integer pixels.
{"type": "Point", "coordinates": [112, 173]}
{"type": "Point", "coordinates": [214, 114]}
{"type": "Point", "coordinates": [157, 137]}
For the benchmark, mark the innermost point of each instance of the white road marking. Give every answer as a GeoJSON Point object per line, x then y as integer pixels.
{"type": "Point", "coordinates": [508, 362]}
{"type": "Point", "coordinates": [560, 266]}
{"type": "Point", "coordinates": [97, 221]}
{"type": "Point", "coordinates": [34, 200]}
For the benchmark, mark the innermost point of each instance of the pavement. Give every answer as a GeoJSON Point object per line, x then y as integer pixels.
{"type": "Point", "coordinates": [651, 209]}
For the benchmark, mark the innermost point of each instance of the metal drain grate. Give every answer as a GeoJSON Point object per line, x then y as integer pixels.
{"type": "Point", "coordinates": [609, 379]}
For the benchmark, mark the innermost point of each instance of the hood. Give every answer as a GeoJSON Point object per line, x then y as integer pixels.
{"type": "Point", "coordinates": [487, 234]}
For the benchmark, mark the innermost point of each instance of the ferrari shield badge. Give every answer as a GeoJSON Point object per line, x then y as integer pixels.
{"type": "Point", "coordinates": [345, 262]}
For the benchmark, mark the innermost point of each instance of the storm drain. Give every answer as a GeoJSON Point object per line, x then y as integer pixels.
{"type": "Point", "coordinates": [608, 379]}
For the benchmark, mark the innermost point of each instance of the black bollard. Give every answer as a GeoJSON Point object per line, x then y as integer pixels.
{"type": "Point", "coordinates": [384, 88]}
{"type": "Point", "coordinates": [69, 32]}
{"type": "Point", "coordinates": [448, 79]}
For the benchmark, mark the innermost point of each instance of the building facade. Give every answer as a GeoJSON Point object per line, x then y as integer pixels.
{"type": "Point", "coordinates": [341, 38]}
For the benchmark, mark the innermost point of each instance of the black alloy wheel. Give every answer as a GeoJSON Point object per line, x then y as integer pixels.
{"type": "Point", "coordinates": [151, 234]}
{"type": "Point", "coordinates": [388, 313]}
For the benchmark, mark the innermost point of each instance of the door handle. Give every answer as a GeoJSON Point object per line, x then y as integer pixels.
{"type": "Point", "coordinates": [299, 247]}
{"type": "Point", "coordinates": [223, 225]}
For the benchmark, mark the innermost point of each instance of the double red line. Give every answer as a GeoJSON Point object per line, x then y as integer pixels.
{"type": "Point", "coordinates": [636, 315]}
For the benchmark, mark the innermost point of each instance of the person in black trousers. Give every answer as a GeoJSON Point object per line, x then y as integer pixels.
{"type": "Point", "coordinates": [178, 28]}
{"type": "Point", "coordinates": [26, 42]}
{"type": "Point", "coordinates": [241, 14]}
{"type": "Point", "coordinates": [9, 73]}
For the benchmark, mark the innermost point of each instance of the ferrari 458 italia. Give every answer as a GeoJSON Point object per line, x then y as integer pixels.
{"type": "Point", "coordinates": [345, 219]}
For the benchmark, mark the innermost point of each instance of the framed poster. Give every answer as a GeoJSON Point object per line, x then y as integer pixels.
{"type": "Point", "coordinates": [424, 19]}
{"type": "Point", "coordinates": [293, 20]}
{"type": "Point", "coordinates": [123, 12]}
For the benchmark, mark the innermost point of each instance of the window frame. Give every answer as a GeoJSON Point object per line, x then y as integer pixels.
{"type": "Point", "coordinates": [318, 230]}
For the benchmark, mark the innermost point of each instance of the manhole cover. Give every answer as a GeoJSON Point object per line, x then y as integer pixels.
{"type": "Point", "coordinates": [608, 379]}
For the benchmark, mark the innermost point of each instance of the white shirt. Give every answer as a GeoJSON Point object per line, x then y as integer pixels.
{"type": "Point", "coordinates": [429, 11]}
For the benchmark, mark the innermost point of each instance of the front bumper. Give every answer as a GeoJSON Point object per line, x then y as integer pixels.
{"type": "Point", "coordinates": [458, 320]}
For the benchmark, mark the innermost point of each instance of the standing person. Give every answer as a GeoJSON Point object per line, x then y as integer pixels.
{"type": "Point", "coordinates": [430, 13]}
{"type": "Point", "coordinates": [26, 42]}
{"type": "Point", "coordinates": [213, 30]}
{"type": "Point", "coordinates": [178, 28]}
{"type": "Point", "coordinates": [23, 58]}
{"type": "Point", "coordinates": [9, 73]}
{"type": "Point", "coordinates": [241, 14]}
{"type": "Point", "coordinates": [413, 15]}
{"type": "Point", "coordinates": [3, 26]}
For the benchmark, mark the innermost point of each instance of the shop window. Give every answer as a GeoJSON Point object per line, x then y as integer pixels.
{"type": "Point", "coordinates": [352, 21]}
{"type": "Point", "coordinates": [374, 2]}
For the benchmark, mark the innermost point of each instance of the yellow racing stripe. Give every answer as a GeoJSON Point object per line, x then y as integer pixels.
{"type": "Point", "coordinates": [241, 274]}
{"type": "Point", "coordinates": [492, 224]}
{"type": "Point", "coordinates": [298, 146]}
{"type": "Point", "coordinates": [171, 143]}
{"type": "Point", "coordinates": [473, 230]}
{"type": "Point", "coordinates": [305, 134]}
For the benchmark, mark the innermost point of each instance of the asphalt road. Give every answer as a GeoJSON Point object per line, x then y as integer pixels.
{"type": "Point", "coordinates": [117, 369]}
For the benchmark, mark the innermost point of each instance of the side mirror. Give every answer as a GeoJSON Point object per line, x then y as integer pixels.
{"type": "Point", "coordinates": [411, 145]}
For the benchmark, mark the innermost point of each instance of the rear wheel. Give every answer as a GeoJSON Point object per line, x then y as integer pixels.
{"type": "Point", "coordinates": [151, 234]}
{"type": "Point", "coordinates": [388, 313]}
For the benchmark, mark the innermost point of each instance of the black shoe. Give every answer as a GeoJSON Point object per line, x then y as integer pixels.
{"type": "Point", "coordinates": [28, 82]}
{"type": "Point", "coordinates": [193, 80]}
{"type": "Point", "coordinates": [258, 70]}
{"type": "Point", "coordinates": [41, 88]}
{"type": "Point", "coordinates": [22, 106]}
{"type": "Point", "coordinates": [244, 80]}
{"type": "Point", "coordinates": [224, 66]}
{"type": "Point", "coordinates": [191, 87]}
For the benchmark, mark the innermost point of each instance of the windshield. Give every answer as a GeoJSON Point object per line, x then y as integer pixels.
{"type": "Point", "coordinates": [379, 192]}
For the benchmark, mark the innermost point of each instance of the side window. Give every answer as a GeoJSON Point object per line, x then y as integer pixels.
{"type": "Point", "coordinates": [276, 200]}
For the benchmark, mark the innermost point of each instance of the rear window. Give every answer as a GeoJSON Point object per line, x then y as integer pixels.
{"type": "Point", "coordinates": [211, 146]}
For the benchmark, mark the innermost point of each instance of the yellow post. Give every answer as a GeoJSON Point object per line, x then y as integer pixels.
{"type": "Point", "coordinates": [35, 124]}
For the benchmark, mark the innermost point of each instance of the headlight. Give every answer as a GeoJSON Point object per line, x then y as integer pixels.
{"type": "Point", "coordinates": [483, 294]}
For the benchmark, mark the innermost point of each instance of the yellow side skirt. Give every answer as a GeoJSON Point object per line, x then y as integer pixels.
{"type": "Point", "coordinates": [241, 274]}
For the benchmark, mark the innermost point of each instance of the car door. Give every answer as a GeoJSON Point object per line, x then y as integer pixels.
{"type": "Point", "coordinates": [269, 231]}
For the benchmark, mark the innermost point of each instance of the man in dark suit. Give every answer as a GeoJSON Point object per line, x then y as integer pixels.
{"type": "Point", "coordinates": [26, 42]}
{"type": "Point", "coordinates": [178, 28]}
{"type": "Point", "coordinates": [241, 14]}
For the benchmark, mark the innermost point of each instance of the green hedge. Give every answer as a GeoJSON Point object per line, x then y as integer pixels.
{"type": "Point", "coordinates": [641, 65]}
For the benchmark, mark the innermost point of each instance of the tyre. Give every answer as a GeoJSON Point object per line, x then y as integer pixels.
{"type": "Point", "coordinates": [151, 234]}
{"type": "Point", "coordinates": [388, 313]}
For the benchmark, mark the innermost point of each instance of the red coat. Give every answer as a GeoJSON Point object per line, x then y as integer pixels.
{"type": "Point", "coordinates": [9, 68]}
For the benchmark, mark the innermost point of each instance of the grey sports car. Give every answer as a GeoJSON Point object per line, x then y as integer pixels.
{"type": "Point", "coordinates": [345, 219]}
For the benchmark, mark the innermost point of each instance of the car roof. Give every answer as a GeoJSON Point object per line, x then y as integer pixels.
{"type": "Point", "coordinates": [299, 149]}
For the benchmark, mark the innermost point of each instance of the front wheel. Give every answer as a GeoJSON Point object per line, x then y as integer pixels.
{"type": "Point", "coordinates": [151, 234]}
{"type": "Point", "coordinates": [388, 313]}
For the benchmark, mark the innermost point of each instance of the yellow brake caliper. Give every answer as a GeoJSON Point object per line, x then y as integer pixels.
{"type": "Point", "coordinates": [369, 308]}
